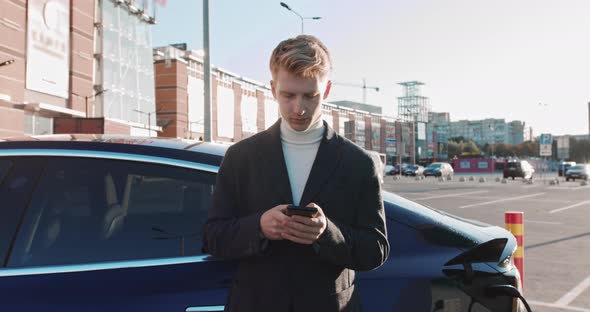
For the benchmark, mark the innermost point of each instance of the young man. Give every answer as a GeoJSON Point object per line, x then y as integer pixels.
{"type": "Point", "coordinates": [296, 263]}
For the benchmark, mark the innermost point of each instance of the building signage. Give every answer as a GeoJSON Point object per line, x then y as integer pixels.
{"type": "Point", "coordinates": [48, 46]}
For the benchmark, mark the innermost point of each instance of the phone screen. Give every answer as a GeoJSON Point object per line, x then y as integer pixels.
{"type": "Point", "coordinates": [309, 212]}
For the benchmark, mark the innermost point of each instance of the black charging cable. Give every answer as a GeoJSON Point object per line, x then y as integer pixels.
{"type": "Point", "coordinates": [507, 290]}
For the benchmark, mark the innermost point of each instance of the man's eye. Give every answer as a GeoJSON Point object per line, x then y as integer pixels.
{"type": "Point", "coordinates": [288, 96]}
{"type": "Point", "coordinates": [310, 96]}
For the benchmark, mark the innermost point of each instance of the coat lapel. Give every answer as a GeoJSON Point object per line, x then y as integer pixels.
{"type": "Point", "coordinates": [326, 161]}
{"type": "Point", "coordinates": [272, 154]}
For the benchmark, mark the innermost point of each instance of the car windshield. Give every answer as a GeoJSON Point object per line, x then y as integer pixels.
{"type": "Point", "coordinates": [434, 166]}
{"type": "Point", "coordinates": [512, 165]}
{"type": "Point", "coordinates": [578, 167]}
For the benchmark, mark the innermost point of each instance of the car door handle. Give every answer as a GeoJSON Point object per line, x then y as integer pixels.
{"type": "Point", "coordinates": [205, 309]}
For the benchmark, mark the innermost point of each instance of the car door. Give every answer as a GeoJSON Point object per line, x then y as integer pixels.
{"type": "Point", "coordinates": [110, 234]}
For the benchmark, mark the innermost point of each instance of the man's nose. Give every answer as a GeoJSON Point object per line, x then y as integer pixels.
{"type": "Point", "coordinates": [298, 106]}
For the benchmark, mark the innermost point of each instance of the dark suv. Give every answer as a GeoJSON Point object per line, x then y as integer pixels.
{"type": "Point", "coordinates": [521, 169]}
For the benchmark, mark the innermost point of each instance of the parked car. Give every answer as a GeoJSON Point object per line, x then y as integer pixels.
{"type": "Point", "coordinates": [518, 169]}
{"type": "Point", "coordinates": [580, 171]}
{"type": "Point", "coordinates": [413, 170]}
{"type": "Point", "coordinates": [564, 167]}
{"type": "Point", "coordinates": [397, 169]}
{"type": "Point", "coordinates": [438, 169]}
{"type": "Point", "coordinates": [109, 223]}
{"type": "Point", "coordinates": [389, 169]}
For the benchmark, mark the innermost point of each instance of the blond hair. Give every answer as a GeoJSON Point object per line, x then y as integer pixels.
{"type": "Point", "coordinates": [305, 56]}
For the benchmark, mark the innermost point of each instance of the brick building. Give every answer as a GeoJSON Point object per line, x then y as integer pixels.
{"type": "Point", "coordinates": [71, 63]}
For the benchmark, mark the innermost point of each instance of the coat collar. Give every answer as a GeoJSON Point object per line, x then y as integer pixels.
{"type": "Point", "coordinates": [326, 161]}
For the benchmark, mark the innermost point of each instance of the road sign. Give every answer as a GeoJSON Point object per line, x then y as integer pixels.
{"type": "Point", "coordinates": [545, 150]}
{"type": "Point", "coordinates": [390, 140]}
{"type": "Point", "coordinates": [545, 144]}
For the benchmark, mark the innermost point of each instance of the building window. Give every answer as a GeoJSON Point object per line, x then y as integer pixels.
{"type": "Point", "coordinates": [35, 124]}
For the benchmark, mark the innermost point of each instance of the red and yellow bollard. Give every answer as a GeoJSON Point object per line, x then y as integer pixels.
{"type": "Point", "coordinates": [515, 225]}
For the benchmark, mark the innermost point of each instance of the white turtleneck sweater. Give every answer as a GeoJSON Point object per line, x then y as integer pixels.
{"type": "Point", "coordinates": [300, 149]}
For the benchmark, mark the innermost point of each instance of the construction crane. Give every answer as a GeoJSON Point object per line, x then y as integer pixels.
{"type": "Point", "coordinates": [363, 86]}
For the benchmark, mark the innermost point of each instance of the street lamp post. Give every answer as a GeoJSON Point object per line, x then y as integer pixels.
{"type": "Point", "coordinates": [413, 141]}
{"type": "Point", "coordinates": [493, 129]}
{"type": "Point", "coordinates": [86, 97]}
{"type": "Point", "coordinates": [284, 5]}
{"type": "Point", "coordinates": [207, 135]}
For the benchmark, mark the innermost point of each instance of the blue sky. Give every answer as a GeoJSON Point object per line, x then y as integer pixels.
{"type": "Point", "coordinates": [479, 59]}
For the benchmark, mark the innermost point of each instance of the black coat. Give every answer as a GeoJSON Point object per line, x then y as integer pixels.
{"type": "Point", "coordinates": [285, 276]}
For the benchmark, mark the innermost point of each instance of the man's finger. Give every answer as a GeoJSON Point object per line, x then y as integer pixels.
{"type": "Point", "coordinates": [302, 227]}
{"type": "Point", "coordinates": [305, 235]}
{"type": "Point", "coordinates": [296, 239]}
{"type": "Point", "coordinates": [306, 220]}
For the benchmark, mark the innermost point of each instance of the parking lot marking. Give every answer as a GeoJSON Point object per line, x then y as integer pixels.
{"type": "Point", "coordinates": [571, 188]}
{"type": "Point", "coordinates": [570, 206]}
{"type": "Point", "coordinates": [541, 222]}
{"type": "Point", "coordinates": [451, 195]}
{"type": "Point", "coordinates": [501, 200]}
{"type": "Point", "coordinates": [553, 305]}
{"type": "Point", "coordinates": [575, 292]}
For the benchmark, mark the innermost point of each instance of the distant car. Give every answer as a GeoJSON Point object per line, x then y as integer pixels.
{"type": "Point", "coordinates": [518, 169]}
{"type": "Point", "coordinates": [397, 169]}
{"type": "Point", "coordinates": [564, 166]}
{"type": "Point", "coordinates": [413, 170]}
{"type": "Point", "coordinates": [580, 171]}
{"type": "Point", "coordinates": [389, 169]}
{"type": "Point", "coordinates": [110, 223]}
{"type": "Point", "coordinates": [438, 169]}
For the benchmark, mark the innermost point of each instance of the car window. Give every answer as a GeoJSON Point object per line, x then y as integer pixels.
{"type": "Point", "coordinates": [18, 176]}
{"type": "Point", "coordinates": [577, 167]}
{"type": "Point", "coordinates": [6, 232]}
{"type": "Point", "coordinates": [512, 165]}
{"type": "Point", "coordinates": [5, 165]}
{"type": "Point", "coordinates": [93, 210]}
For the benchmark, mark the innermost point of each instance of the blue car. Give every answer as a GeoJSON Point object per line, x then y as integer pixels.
{"type": "Point", "coordinates": [113, 223]}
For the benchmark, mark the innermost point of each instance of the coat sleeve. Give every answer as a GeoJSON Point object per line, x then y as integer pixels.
{"type": "Point", "coordinates": [361, 246]}
{"type": "Point", "coordinates": [228, 234]}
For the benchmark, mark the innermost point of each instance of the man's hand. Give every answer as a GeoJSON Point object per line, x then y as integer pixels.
{"type": "Point", "coordinates": [305, 230]}
{"type": "Point", "coordinates": [272, 222]}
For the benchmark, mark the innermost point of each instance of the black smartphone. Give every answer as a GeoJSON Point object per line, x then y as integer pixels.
{"type": "Point", "coordinates": [310, 212]}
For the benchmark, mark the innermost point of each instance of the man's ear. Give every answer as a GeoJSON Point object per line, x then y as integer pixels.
{"type": "Point", "coordinates": [328, 88]}
{"type": "Point", "coordinates": [273, 89]}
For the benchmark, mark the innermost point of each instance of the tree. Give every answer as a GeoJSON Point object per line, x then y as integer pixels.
{"type": "Point", "coordinates": [458, 139]}
{"type": "Point", "coordinates": [487, 149]}
{"type": "Point", "coordinates": [471, 147]}
{"type": "Point", "coordinates": [453, 149]}
{"type": "Point", "coordinates": [501, 150]}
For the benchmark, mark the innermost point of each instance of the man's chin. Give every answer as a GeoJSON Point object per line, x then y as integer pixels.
{"type": "Point", "coordinates": [299, 126]}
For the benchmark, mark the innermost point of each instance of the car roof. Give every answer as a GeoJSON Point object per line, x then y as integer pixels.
{"type": "Point", "coordinates": [182, 149]}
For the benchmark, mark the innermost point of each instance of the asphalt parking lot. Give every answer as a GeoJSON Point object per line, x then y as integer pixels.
{"type": "Point", "coordinates": [556, 228]}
